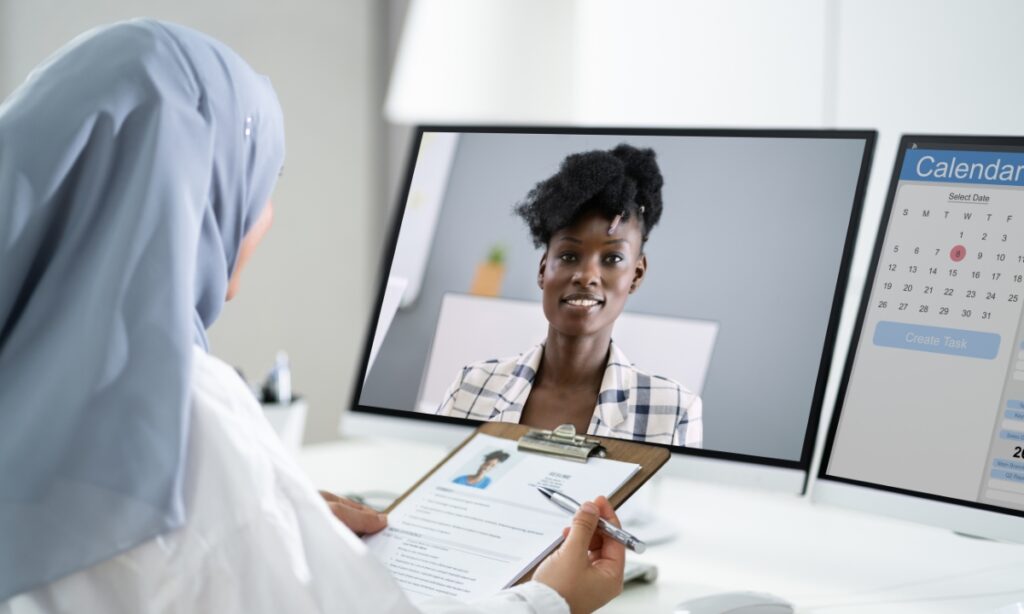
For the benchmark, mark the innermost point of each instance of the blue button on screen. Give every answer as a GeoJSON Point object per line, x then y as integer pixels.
{"type": "Point", "coordinates": [938, 340]}
{"type": "Point", "coordinates": [1002, 463]}
{"type": "Point", "coordinates": [1012, 476]}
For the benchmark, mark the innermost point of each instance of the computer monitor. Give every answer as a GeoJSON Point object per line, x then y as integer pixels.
{"type": "Point", "coordinates": [929, 420]}
{"type": "Point", "coordinates": [738, 306]}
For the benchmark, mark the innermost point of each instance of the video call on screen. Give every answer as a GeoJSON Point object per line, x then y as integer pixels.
{"type": "Point", "coordinates": [735, 304]}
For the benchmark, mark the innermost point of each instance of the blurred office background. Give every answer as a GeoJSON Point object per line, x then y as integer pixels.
{"type": "Point", "coordinates": [352, 75]}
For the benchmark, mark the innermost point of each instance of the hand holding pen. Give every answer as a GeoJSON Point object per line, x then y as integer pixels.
{"type": "Point", "coordinates": [570, 505]}
{"type": "Point", "coordinates": [586, 570]}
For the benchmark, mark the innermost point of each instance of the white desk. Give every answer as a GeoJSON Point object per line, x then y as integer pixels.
{"type": "Point", "coordinates": [820, 558]}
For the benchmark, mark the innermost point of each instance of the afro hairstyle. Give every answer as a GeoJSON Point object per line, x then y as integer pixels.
{"type": "Point", "coordinates": [499, 455]}
{"type": "Point", "coordinates": [623, 181]}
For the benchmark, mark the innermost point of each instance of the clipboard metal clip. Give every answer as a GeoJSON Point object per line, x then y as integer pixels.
{"type": "Point", "coordinates": [562, 442]}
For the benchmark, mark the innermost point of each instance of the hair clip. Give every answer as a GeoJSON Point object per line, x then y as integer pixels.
{"type": "Point", "coordinates": [615, 223]}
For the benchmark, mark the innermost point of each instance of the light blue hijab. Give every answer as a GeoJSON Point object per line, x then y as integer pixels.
{"type": "Point", "coordinates": [132, 163]}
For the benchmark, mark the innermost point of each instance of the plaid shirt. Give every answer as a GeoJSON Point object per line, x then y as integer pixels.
{"type": "Point", "coordinates": [631, 403]}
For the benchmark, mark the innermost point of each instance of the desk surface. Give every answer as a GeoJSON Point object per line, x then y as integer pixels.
{"type": "Point", "coordinates": [820, 558]}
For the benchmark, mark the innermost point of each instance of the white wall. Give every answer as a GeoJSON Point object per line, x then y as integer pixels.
{"type": "Point", "coordinates": [466, 61]}
{"type": "Point", "coordinates": [643, 62]}
{"type": "Point", "coordinates": [307, 288]}
{"type": "Point", "coordinates": [700, 63]}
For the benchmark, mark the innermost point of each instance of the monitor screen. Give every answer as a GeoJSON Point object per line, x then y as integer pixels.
{"type": "Point", "coordinates": [931, 402]}
{"type": "Point", "coordinates": [676, 287]}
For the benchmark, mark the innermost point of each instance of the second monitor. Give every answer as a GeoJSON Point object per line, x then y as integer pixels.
{"type": "Point", "coordinates": [715, 260]}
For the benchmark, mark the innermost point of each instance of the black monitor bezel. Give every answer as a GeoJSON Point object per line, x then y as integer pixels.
{"type": "Point", "coordinates": [868, 136]}
{"type": "Point", "coordinates": [907, 141]}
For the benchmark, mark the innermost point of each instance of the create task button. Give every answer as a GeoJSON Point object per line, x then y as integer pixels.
{"type": "Point", "coordinates": [936, 339]}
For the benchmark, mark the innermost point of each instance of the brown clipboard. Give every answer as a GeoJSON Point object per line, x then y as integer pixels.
{"type": "Point", "coordinates": [650, 458]}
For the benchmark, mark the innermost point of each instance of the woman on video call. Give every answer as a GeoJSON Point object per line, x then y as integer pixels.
{"type": "Point", "coordinates": [592, 218]}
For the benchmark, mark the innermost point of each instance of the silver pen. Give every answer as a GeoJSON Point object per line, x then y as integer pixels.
{"type": "Point", "coordinates": [570, 505]}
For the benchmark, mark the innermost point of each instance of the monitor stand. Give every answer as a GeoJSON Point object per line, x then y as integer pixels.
{"type": "Point", "coordinates": [639, 515]}
{"type": "Point", "coordinates": [972, 536]}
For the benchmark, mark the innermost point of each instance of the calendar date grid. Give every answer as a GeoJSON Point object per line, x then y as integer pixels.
{"type": "Point", "coordinates": [968, 267]}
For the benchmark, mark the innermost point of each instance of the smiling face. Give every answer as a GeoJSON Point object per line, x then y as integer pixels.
{"type": "Point", "coordinates": [586, 274]}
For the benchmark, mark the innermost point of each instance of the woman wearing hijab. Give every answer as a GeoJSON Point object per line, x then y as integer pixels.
{"type": "Point", "coordinates": [137, 473]}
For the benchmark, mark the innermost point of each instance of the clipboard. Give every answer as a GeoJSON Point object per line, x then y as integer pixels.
{"type": "Point", "coordinates": [564, 443]}
{"type": "Point", "coordinates": [650, 458]}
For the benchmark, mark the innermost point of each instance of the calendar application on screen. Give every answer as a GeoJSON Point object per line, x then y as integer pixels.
{"type": "Point", "coordinates": [935, 399]}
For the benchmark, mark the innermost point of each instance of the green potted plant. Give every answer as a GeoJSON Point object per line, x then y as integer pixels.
{"type": "Point", "coordinates": [489, 273]}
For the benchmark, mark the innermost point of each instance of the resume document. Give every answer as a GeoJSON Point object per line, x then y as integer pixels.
{"type": "Point", "coordinates": [478, 523]}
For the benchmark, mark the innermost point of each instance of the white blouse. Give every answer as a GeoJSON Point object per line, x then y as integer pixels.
{"type": "Point", "coordinates": [259, 538]}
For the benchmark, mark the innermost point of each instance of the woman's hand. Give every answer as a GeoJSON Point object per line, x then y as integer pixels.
{"type": "Point", "coordinates": [586, 570]}
{"type": "Point", "coordinates": [361, 519]}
